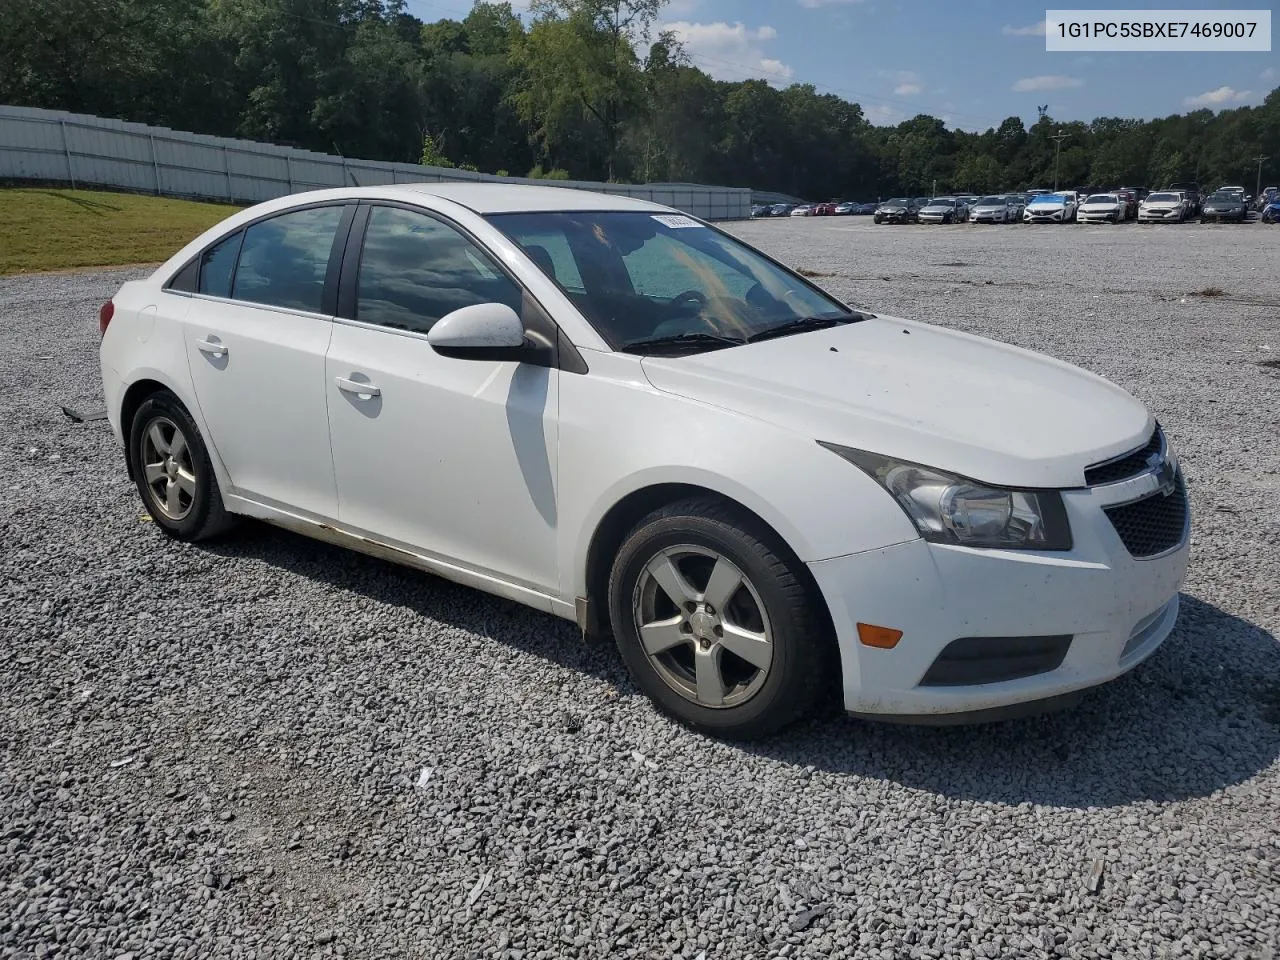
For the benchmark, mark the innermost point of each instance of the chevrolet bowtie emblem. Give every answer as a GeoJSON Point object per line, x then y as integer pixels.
{"type": "Point", "coordinates": [1164, 470]}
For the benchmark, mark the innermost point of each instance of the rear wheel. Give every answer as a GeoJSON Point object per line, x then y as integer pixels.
{"type": "Point", "coordinates": [172, 470]}
{"type": "Point", "coordinates": [717, 621]}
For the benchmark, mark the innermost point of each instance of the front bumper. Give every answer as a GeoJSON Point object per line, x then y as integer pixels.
{"type": "Point", "coordinates": [1083, 217]}
{"type": "Point", "coordinates": [1156, 216]}
{"type": "Point", "coordinates": [1106, 611]}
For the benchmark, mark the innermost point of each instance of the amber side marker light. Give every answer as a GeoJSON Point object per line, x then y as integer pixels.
{"type": "Point", "coordinates": [886, 638]}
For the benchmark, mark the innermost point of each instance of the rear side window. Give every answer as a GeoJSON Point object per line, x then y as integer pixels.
{"type": "Point", "coordinates": [415, 269]}
{"type": "Point", "coordinates": [217, 265]}
{"type": "Point", "coordinates": [283, 261]}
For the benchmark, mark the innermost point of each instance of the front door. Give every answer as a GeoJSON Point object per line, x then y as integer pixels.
{"type": "Point", "coordinates": [453, 458]}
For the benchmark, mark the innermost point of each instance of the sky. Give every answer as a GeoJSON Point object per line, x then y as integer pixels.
{"type": "Point", "coordinates": [971, 63]}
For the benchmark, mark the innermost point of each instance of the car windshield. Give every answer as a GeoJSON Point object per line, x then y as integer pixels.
{"type": "Point", "coordinates": [1048, 198]}
{"type": "Point", "coordinates": [942, 203]}
{"type": "Point", "coordinates": [1223, 197]}
{"type": "Point", "coordinates": [990, 201]}
{"type": "Point", "coordinates": [641, 277]}
{"type": "Point", "coordinates": [1101, 198]}
{"type": "Point", "coordinates": [1163, 198]}
{"type": "Point", "coordinates": [897, 202]}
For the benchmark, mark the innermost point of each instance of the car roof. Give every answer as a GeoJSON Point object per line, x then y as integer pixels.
{"type": "Point", "coordinates": [481, 198]}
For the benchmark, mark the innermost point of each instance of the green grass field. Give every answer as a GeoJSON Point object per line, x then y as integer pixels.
{"type": "Point", "coordinates": [52, 229]}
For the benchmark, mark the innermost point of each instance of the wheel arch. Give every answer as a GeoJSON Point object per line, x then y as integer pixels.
{"type": "Point", "coordinates": [628, 510]}
{"type": "Point", "coordinates": [147, 383]}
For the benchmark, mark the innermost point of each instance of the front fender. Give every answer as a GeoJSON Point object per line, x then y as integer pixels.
{"type": "Point", "coordinates": [619, 435]}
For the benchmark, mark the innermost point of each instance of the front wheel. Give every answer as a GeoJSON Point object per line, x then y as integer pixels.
{"type": "Point", "coordinates": [717, 621]}
{"type": "Point", "coordinates": [172, 470]}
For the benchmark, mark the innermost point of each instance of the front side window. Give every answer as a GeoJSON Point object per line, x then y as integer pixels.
{"type": "Point", "coordinates": [414, 269]}
{"type": "Point", "coordinates": [217, 264]}
{"type": "Point", "coordinates": [667, 277]}
{"type": "Point", "coordinates": [284, 260]}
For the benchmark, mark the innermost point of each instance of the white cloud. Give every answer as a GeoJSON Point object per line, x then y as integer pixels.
{"type": "Point", "coordinates": [1035, 30]}
{"type": "Point", "coordinates": [1219, 97]}
{"type": "Point", "coordinates": [1047, 82]}
{"type": "Point", "coordinates": [882, 115]}
{"type": "Point", "coordinates": [907, 89]}
{"type": "Point", "coordinates": [731, 51]}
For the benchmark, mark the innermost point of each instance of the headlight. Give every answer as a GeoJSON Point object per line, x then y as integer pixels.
{"type": "Point", "coordinates": [946, 508]}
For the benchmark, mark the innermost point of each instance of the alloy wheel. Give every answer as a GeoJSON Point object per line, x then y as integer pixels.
{"type": "Point", "coordinates": [166, 464]}
{"type": "Point", "coordinates": [703, 626]}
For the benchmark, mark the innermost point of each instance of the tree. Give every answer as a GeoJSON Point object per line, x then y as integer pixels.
{"type": "Point", "coordinates": [579, 63]}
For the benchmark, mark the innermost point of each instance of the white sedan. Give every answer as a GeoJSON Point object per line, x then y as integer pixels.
{"type": "Point", "coordinates": [619, 414]}
{"type": "Point", "coordinates": [1102, 208]}
{"type": "Point", "coordinates": [1164, 207]}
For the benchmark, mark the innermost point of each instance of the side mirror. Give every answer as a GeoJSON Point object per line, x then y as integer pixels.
{"type": "Point", "coordinates": [482, 331]}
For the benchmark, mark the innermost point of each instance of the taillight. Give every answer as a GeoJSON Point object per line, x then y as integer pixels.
{"type": "Point", "coordinates": [105, 313]}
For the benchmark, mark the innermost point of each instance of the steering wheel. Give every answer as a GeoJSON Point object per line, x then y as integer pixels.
{"type": "Point", "coordinates": [686, 297]}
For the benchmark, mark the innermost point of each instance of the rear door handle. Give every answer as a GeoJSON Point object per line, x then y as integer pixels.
{"type": "Point", "coordinates": [213, 348]}
{"type": "Point", "coordinates": [358, 388]}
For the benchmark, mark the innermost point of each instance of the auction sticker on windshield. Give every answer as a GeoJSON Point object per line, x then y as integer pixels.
{"type": "Point", "coordinates": [675, 221]}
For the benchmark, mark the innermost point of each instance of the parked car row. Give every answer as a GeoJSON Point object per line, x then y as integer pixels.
{"type": "Point", "coordinates": [832, 208]}
{"type": "Point", "coordinates": [1175, 204]}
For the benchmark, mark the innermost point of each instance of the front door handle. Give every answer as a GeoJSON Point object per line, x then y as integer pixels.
{"type": "Point", "coordinates": [358, 388]}
{"type": "Point", "coordinates": [213, 348]}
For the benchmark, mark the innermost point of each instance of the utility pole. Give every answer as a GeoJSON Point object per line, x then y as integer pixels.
{"type": "Point", "coordinates": [1057, 138]}
{"type": "Point", "coordinates": [1257, 192]}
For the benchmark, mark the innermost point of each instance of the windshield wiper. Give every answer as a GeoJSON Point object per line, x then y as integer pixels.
{"type": "Point", "coordinates": [680, 340]}
{"type": "Point", "coordinates": [803, 325]}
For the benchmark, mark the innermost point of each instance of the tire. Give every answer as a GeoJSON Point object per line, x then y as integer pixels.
{"type": "Point", "coordinates": [182, 495]}
{"type": "Point", "coordinates": [690, 670]}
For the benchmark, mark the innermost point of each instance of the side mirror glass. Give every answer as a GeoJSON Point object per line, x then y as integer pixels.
{"type": "Point", "coordinates": [482, 331]}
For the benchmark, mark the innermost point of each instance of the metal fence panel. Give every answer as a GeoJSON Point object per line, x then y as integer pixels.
{"type": "Point", "coordinates": [54, 145]}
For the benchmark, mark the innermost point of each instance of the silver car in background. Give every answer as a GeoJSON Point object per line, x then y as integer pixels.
{"type": "Point", "coordinates": [1003, 209]}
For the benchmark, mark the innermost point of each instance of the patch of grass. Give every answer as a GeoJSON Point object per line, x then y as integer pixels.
{"type": "Point", "coordinates": [1210, 292]}
{"type": "Point", "coordinates": [51, 229]}
{"type": "Point", "coordinates": [806, 272]}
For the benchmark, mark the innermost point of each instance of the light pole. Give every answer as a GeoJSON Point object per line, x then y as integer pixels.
{"type": "Point", "coordinates": [1257, 191]}
{"type": "Point", "coordinates": [1057, 138]}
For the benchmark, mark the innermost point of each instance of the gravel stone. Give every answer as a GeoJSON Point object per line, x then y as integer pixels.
{"type": "Point", "coordinates": [304, 689]}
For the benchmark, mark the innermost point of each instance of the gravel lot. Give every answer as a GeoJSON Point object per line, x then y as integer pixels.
{"type": "Point", "coordinates": [272, 748]}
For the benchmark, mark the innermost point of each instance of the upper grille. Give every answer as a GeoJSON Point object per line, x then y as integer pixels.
{"type": "Point", "coordinates": [1154, 525]}
{"type": "Point", "coordinates": [1122, 468]}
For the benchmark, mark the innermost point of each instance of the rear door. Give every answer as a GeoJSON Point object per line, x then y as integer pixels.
{"type": "Point", "coordinates": [256, 336]}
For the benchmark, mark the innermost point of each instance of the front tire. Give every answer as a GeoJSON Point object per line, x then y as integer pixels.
{"type": "Point", "coordinates": [718, 622]}
{"type": "Point", "coordinates": [172, 470]}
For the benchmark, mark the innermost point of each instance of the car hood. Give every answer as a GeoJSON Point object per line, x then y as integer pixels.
{"type": "Point", "coordinates": [986, 410]}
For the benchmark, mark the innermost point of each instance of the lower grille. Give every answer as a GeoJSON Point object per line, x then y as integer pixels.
{"type": "Point", "coordinates": [975, 660]}
{"type": "Point", "coordinates": [1154, 525]}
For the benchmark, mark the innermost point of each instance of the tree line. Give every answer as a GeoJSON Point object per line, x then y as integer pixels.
{"type": "Point", "coordinates": [589, 89]}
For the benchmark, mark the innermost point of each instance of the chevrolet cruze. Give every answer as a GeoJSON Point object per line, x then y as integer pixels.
{"type": "Point", "coordinates": [619, 414]}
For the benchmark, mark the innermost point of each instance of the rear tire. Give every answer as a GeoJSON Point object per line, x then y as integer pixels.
{"type": "Point", "coordinates": [735, 641]}
{"type": "Point", "coordinates": [172, 470]}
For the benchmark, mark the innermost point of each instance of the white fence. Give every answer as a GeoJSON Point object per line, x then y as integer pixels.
{"type": "Point", "coordinates": [74, 148]}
